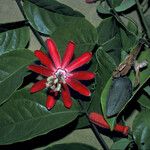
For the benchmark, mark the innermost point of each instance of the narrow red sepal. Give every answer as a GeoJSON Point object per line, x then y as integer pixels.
{"type": "Point", "coordinates": [53, 51]}
{"type": "Point", "coordinates": [44, 59]}
{"type": "Point", "coordinates": [77, 86]}
{"type": "Point", "coordinates": [82, 75]}
{"type": "Point", "coordinates": [50, 102]}
{"type": "Point", "coordinates": [40, 85]}
{"type": "Point", "coordinates": [80, 61]}
{"type": "Point", "coordinates": [66, 96]}
{"type": "Point", "coordinates": [68, 54]}
{"type": "Point", "coordinates": [40, 70]}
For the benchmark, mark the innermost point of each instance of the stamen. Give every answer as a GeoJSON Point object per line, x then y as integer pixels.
{"type": "Point", "coordinates": [56, 81]}
{"type": "Point", "coordinates": [50, 78]}
{"type": "Point", "coordinates": [58, 87]}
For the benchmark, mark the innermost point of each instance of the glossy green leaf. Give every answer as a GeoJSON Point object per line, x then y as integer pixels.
{"type": "Point", "coordinates": [12, 71]}
{"type": "Point", "coordinates": [82, 33]}
{"type": "Point", "coordinates": [14, 39]}
{"type": "Point", "coordinates": [25, 116]}
{"type": "Point", "coordinates": [144, 100]}
{"type": "Point", "coordinates": [73, 146]}
{"type": "Point", "coordinates": [105, 67]}
{"type": "Point", "coordinates": [147, 89]}
{"type": "Point", "coordinates": [56, 7]}
{"type": "Point", "coordinates": [44, 20]}
{"type": "Point", "coordinates": [141, 130]}
{"type": "Point", "coordinates": [110, 25]}
{"type": "Point", "coordinates": [111, 121]}
{"type": "Point", "coordinates": [144, 73]}
{"type": "Point", "coordinates": [120, 144]}
{"type": "Point", "coordinates": [126, 4]}
{"type": "Point", "coordinates": [129, 36]}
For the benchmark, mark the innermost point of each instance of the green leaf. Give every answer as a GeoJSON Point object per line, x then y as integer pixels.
{"type": "Point", "coordinates": [111, 121]}
{"type": "Point", "coordinates": [12, 71]}
{"type": "Point", "coordinates": [56, 7]}
{"type": "Point", "coordinates": [144, 100]}
{"type": "Point", "coordinates": [25, 116]}
{"type": "Point", "coordinates": [141, 130]}
{"type": "Point", "coordinates": [105, 67]}
{"type": "Point", "coordinates": [126, 4]}
{"type": "Point", "coordinates": [44, 20]}
{"type": "Point", "coordinates": [129, 36]}
{"type": "Point", "coordinates": [110, 25]}
{"type": "Point", "coordinates": [120, 145]}
{"type": "Point", "coordinates": [14, 39]}
{"type": "Point", "coordinates": [82, 33]}
{"type": "Point", "coordinates": [147, 90]}
{"type": "Point", "coordinates": [73, 146]}
{"type": "Point", "coordinates": [144, 73]}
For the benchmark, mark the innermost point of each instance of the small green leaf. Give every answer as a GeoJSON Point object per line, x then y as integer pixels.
{"type": "Point", "coordinates": [25, 116]}
{"type": "Point", "coordinates": [144, 100]}
{"type": "Point", "coordinates": [126, 4]}
{"type": "Point", "coordinates": [72, 146]}
{"type": "Point", "coordinates": [45, 20]}
{"type": "Point", "coordinates": [12, 71]}
{"type": "Point", "coordinates": [14, 39]}
{"type": "Point", "coordinates": [120, 145]}
{"type": "Point", "coordinates": [147, 90]}
{"type": "Point", "coordinates": [141, 130]}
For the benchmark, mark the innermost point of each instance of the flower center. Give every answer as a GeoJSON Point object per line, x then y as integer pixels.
{"type": "Point", "coordinates": [54, 82]}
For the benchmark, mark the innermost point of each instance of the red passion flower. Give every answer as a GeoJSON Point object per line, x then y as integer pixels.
{"type": "Point", "coordinates": [61, 73]}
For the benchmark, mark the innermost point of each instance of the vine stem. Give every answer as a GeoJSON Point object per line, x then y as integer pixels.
{"type": "Point", "coordinates": [97, 134]}
{"type": "Point", "coordinates": [142, 18]}
{"type": "Point", "coordinates": [95, 130]}
{"type": "Point", "coordinates": [36, 33]}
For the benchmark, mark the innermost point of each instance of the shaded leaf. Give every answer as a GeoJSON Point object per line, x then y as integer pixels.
{"type": "Point", "coordinates": [144, 100]}
{"type": "Point", "coordinates": [12, 71]}
{"type": "Point", "coordinates": [25, 116]}
{"type": "Point", "coordinates": [73, 146]}
{"type": "Point", "coordinates": [126, 4]}
{"type": "Point", "coordinates": [105, 67]}
{"type": "Point", "coordinates": [14, 39]}
{"type": "Point", "coordinates": [147, 90]}
{"type": "Point", "coordinates": [120, 144]}
{"type": "Point", "coordinates": [82, 33]}
{"type": "Point", "coordinates": [44, 20]}
{"type": "Point", "coordinates": [141, 130]}
{"type": "Point", "coordinates": [106, 25]}
{"type": "Point", "coordinates": [56, 7]}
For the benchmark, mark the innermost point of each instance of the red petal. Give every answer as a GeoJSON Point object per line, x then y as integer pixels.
{"type": "Point", "coordinates": [53, 51]}
{"type": "Point", "coordinates": [50, 102]}
{"type": "Point", "coordinates": [78, 62]}
{"type": "Point", "coordinates": [68, 54]}
{"type": "Point", "coordinates": [66, 96]}
{"type": "Point", "coordinates": [44, 59]}
{"type": "Point", "coordinates": [82, 75]}
{"type": "Point", "coordinates": [40, 85]}
{"type": "Point", "coordinates": [77, 86]}
{"type": "Point", "coordinates": [41, 70]}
